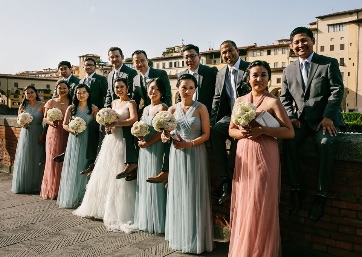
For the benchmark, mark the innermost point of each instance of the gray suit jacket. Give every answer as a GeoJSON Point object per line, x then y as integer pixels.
{"type": "Point", "coordinates": [125, 72]}
{"type": "Point", "coordinates": [220, 104]}
{"type": "Point", "coordinates": [323, 93]}
{"type": "Point", "coordinates": [140, 91]}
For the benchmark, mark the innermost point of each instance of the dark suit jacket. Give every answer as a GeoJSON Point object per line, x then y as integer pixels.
{"type": "Point", "coordinates": [206, 86]}
{"type": "Point", "coordinates": [98, 89]}
{"type": "Point", "coordinates": [140, 91]}
{"type": "Point", "coordinates": [220, 104]}
{"type": "Point", "coordinates": [72, 83]}
{"type": "Point", "coordinates": [125, 72]}
{"type": "Point", "coordinates": [323, 92]}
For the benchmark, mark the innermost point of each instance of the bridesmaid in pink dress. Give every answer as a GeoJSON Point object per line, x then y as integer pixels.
{"type": "Point", "coordinates": [56, 142]}
{"type": "Point", "coordinates": [254, 213]}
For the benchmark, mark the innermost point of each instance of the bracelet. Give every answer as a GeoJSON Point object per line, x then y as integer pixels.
{"type": "Point", "coordinates": [193, 143]}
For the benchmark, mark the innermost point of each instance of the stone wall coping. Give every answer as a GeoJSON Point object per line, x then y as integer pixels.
{"type": "Point", "coordinates": [348, 146]}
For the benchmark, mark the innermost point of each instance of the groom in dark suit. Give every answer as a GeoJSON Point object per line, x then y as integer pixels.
{"type": "Point", "coordinates": [229, 86]}
{"type": "Point", "coordinates": [140, 95]}
{"type": "Point", "coordinates": [98, 90]}
{"type": "Point", "coordinates": [312, 93]}
{"type": "Point", "coordinates": [115, 57]}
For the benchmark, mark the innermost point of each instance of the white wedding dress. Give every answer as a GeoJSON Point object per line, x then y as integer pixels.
{"type": "Point", "coordinates": [106, 197]}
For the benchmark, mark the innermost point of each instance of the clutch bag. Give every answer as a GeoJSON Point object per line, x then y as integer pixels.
{"type": "Point", "coordinates": [267, 120]}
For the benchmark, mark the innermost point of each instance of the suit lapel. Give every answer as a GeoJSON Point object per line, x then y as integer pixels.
{"type": "Point", "coordinates": [313, 68]}
{"type": "Point", "coordinates": [298, 75]}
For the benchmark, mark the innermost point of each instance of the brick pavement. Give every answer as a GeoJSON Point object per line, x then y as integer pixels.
{"type": "Point", "coordinates": [30, 226]}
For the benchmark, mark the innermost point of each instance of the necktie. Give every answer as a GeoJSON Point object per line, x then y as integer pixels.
{"type": "Point", "coordinates": [144, 82]}
{"type": "Point", "coordinates": [305, 71]}
{"type": "Point", "coordinates": [195, 96]}
{"type": "Point", "coordinates": [88, 81]}
{"type": "Point", "coordinates": [233, 71]}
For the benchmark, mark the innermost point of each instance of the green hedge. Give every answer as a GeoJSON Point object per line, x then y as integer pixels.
{"type": "Point", "coordinates": [353, 121]}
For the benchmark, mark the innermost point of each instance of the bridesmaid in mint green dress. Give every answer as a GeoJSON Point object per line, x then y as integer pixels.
{"type": "Point", "coordinates": [188, 211]}
{"type": "Point", "coordinates": [150, 208]}
{"type": "Point", "coordinates": [72, 183]}
{"type": "Point", "coordinates": [30, 149]}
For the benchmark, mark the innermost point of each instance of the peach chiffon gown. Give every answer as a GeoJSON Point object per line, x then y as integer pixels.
{"type": "Point", "coordinates": [55, 144]}
{"type": "Point", "coordinates": [254, 213]}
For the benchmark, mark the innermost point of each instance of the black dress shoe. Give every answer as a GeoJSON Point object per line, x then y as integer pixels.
{"type": "Point", "coordinates": [317, 209]}
{"type": "Point", "coordinates": [296, 198]}
{"type": "Point", "coordinates": [131, 176]}
{"type": "Point", "coordinates": [226, 192]}
{"type": "Point", "coordinates": [127, 170]}
{"type": "Point", "coordinates": [88, 170]}
{"type": "Point", "coordinates": [59, 158]}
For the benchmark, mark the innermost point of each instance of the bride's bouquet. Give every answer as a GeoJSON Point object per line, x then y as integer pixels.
{"type": "Point", "coordinates": [24, 118]}
{"type": "Point", "coordinates": [140, 129]}
{"type": "Point", "coordinates": [243, 113]}
{"type": "Point", "coordinates": [54, 114]}
{"type": "Point", "coordinates": [106, 116]}
{"type": "Point", "coordinates": [164, 121]}
{"type": "Point", "coordinates": [78, 125]}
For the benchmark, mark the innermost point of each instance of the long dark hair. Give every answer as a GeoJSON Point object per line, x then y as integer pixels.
{"type": "Point", "coordinates": [25, 101]}
{"type": "Point", "coordinates": [63, 81]}
{"type": "Point", "coordinates": [76, 101]}
{"type": "Point", "coordinates": [161, 87]}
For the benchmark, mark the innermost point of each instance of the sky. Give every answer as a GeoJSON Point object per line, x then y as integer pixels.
{"type": "Point", "coordinates": [37, 34]}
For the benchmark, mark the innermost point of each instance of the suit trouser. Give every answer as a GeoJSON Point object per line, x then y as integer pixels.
{"type": "Point", "coordinates": [224, 166]}
{"type": "Point", "coordinates": [325, 156]}
{"type": "Point", "coordinates": [166, 157]}
{"type": "Point", "coordinates": [93, 141]}
{"type": "Point", "coordinates": [131, 153]}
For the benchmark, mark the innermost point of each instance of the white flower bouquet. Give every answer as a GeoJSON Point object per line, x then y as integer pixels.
{"type": "Point", "coordinates": [24, 118]}
{"type": "Point", "coordinates": [243, 113]}
{"type": "Point", "coordinates": [106, 116]}
{"type": "Point", "coordinates": [78, 125]}
{"type": "Point", "coordinates": [54, 114]}
{"type": "Point", "coordinates": [140, 129]}
{"type": "Point", "coordinates": [164, 121]}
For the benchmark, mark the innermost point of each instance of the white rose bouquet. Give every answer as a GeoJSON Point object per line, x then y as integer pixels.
{"type": "Point", "coordinates": [106, 116]}
{"type": "Point", "coordinates": [164, 121]}
{"type": "Point", "coordinates": [54, 114]}
{"type": "Point", "coordinates": [78, 125]}
{"type": "Point", "coordinates": [24, 118]}
{"type": "Point", "coordinates": [140, 129]}
{"type": "Point", "coordinates": [243, 113]}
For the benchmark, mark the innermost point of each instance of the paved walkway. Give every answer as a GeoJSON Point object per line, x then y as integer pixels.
{"type": "Point", "coordinates": [30, 226]}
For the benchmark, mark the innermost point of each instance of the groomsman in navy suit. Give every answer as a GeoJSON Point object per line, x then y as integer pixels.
{"type": "Point", "coordinates": [229, 86]}
{"type": "Point", "coordinates": [139, 94]}
{"type": "Point", "coordinates": [65, 69]}
{"type": "Point", "coordinates": [312, 93]}
{"type": "Point", "coordinates": [115, 57]}
{"type": "Point", "coordinates": [98, 91]}
{"type": "Point", "coordinates": [205, 76]}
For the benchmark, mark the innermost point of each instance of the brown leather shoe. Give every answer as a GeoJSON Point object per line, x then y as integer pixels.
{"type": "Point", "coordinates": [162, 177]}
{"type": "Point", "coordinates": [127, 170]}
{"type": "Point", "coordinates": [88, 170]}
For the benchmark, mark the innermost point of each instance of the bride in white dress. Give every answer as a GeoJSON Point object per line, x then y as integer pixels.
{"type": "Point", "coordinates": [108, 198]}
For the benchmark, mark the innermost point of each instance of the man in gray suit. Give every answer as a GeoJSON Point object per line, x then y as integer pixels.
{"type": "Point", "coordinates": [115, 57]}
{"type": "Point", "coordinates": [205, 76]}
{"type": "Point", "coordinates": [229, 86]}
{"type": "Point", "coordinates": [140, 95]}
{"type": "Point", "coordinates": [312, 92]}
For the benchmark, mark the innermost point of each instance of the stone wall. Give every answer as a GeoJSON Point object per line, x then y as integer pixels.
{"type": "Point", "coordinates": [338, 233]}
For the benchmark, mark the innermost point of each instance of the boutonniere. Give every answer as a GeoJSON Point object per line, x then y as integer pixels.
{"type": "Point", "coordinates": [199, 82]}
{"type": "Point", "coordinates": [142, 104]}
